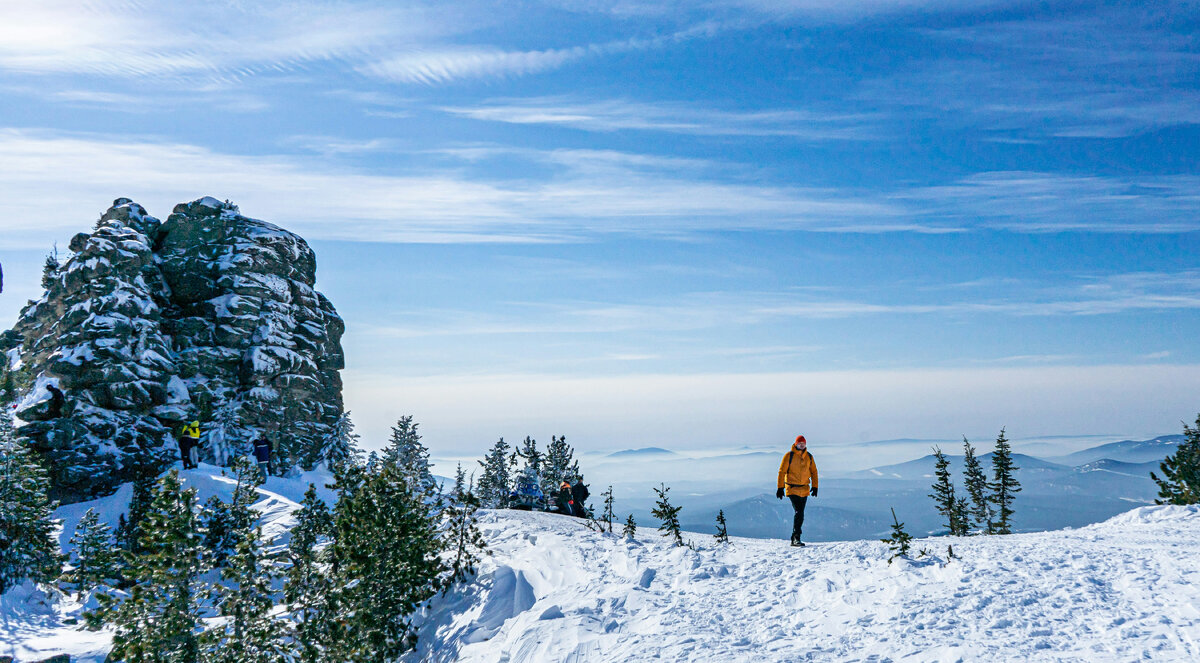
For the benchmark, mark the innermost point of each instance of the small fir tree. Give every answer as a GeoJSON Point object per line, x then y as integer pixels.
{"type": "Point", "coordinates": [976, 483]}
{"type": "Point", "coordinates": [495, 483]}
{"type": "Point", "coordinates": [307, 587]}
{"type": "Point", "coordinates": [95, 559]}
{"type": "Point", "coordinates": [386, 555]}
{"type": "Point", "coordinates": [607, 516]}
{"type": "Point", "coordinates": [533, 459]}
{"type": "Point", "coordinates": [1004, 484]}
{"type": "Point", "coordinates": [667, 514]}
{"type": "Point", "coordinates": [722, 535]}
{"type": "Point", "coordinates": [630, 529]}
{"type": "Point", "coordinates": [28, 548]}
{"type": "Point", "coordinates": [50, 270]}
{"type": "Point", "coordinates": [559, 463]}
{"type": "Point", "coordinates": [410, 457]}
{"type": "Point", "coordinates": [339, 447]}
{"type": "Point", "coordinates": [129, 529]}
{"type": "Point", "coordinates": [249, 633]}
{"type": "Point", "coordinates": [1180, 482]}
{"type": "Point", "coordinates": [225, 524]}
{"type": "Point", "coordinates": [462, 531]}
{"type": "Point", "coordinates": [900, 541]}
{"type": "Point", "coordinates": [158, 622]}
{"type": "Point", "coordinates": [943, 494]}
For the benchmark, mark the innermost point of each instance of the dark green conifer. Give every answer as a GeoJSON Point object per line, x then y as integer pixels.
{"type": "Point", "coordinates": [976, 483]}
{"type": "Point", "coordinates": [722, 535]}
{"type": "Point", "coordinates": [607, 515]}
{"type": "Point", "coordinates": [462, 531]}
{"type": "Point", "coordinates": [308, 586]}
{"type": "Point", "coordinates": [630, 529]}
{"type": "Point", "coordinates": [1004, 484]}
{"type": "Point", "coordinates": [1180, 483]}
{"type": "Point", "coordinates": [159, 621]}
{"type": "Point", "coordinates": [900, 541]}
{"type": "Point", "coordinates": [667, 514]}
{"type": "Point", "coordinates": [96, 560]}
{"type": "Point", "coordinates": [495, 484]}
{"type": "Point", "coordinates": [943, 494]}
{"type": "Point", "coordinates": [28, 548]}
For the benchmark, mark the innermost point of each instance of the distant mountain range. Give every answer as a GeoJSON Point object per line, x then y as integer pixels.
{"type": "Point", "coordinates": [1068, 491]}
{"type": "Point", "coordinates": [647, 452]}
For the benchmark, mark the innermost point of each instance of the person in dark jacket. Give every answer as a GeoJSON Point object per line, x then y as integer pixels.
{"type": "Point", "coordinates": [262, 454]}
{"type": "Point", "coordinates": [562, 498]}
{"type": "Point", "coordinates": [579, 495]}
{"type": "Point", "coordinates": [189, 440]}
{"type": "Point", "coordinates": [57, 401]}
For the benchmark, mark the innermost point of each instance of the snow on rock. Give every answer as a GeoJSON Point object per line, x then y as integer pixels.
{"type": "Point", "coordinates": [1125, 589]}
{"type": "Point", "coordinates": [208, 315]}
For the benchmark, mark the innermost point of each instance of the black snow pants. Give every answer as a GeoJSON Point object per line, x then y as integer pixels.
{"type": "Point", "coordinates": [798, 504]}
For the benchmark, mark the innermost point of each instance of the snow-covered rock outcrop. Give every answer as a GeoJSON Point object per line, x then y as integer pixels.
{"type": "Point", "coordinates": [208, 315]}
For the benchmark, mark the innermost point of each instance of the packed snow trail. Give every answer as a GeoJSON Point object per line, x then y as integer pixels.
{"type": "Point", "coordinates": [1121, 590]}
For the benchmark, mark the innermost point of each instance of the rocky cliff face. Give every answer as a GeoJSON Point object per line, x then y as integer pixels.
{"type": "Point", "coordinates": [208, 315]}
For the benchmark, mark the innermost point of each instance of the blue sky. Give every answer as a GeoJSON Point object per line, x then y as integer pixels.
{"type": "Point", "coordinates": [686, 224]}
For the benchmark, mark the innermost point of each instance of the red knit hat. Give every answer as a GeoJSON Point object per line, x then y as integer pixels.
{"type": "Point", "coordinates": [799, 439]}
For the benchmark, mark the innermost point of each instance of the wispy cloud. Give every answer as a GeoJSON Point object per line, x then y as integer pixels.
{"type": "Point", "coordinates": [580, 194]}
{"type": "Point", "coordinates": [671, 117]}
{"type": "Point", "coordinates": [444, 64]}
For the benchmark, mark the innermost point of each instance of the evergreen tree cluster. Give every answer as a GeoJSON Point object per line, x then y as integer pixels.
{"type": "Point", "coordinates": [28, 548]}
{"type": "Point", "coordinates": [351, 576]}
{"type": "Point", "coordinates": [988, 503]}
{"type": "Point", "coordinates": [507, 470]}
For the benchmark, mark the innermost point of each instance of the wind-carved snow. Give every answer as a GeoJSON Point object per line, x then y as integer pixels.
{"type": "Point", "coordinates": [1125, 589]}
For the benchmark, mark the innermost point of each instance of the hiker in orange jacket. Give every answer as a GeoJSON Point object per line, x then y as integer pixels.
{"type": "Point", "coordinates": [796, 472]}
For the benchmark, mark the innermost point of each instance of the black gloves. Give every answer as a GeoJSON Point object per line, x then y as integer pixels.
{"type": "Point", "coordinates": [779, 494]}
{"type": "Point", "coordinates": [814, 491]}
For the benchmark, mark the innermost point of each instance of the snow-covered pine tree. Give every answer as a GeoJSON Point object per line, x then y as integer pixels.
{"type": "Point", "coordinates": [51, 269]}
{"type": "Point", "coordinates": [976, 483]}
{"type": "Point", "coordinates": [159, 620]}
{"type": "Point", "coordinates": [534, 459]}
{"type": "Point", "coordinates": [129, 531]}
{"type": "Point", "coordinates": [1004, 484]}
{"type": "Point", "coordinates": [1180, 482]}
{"type": "Point", "coordinates": [95, 558]}
{"type": "Point", "coordinates": [667, 514]}
{"type": "Point", "coordinates": [410, 457]}
{"type": "Point", "coordinates": [307, 588]}
{"type": "Point", "coordinates": [899, 542]}
{"type": "Point", "coordinates": [607, 516]}
{"type": "Point", "coordinates": [495, 483]}
{"type": "Point", "coordinates": [386, 552]}
{"type": "Point", "coordinates": [462, 530]}
{"type": "Point", "coordinates": [248, 633]}
{"type": "Point", "coordinates": [223, 524]}
{"type": "Point", "coordinates": [630, 529]}
{"type": "Point", "coordinates": [28, 548]}
{"type": "Point", "coordinates": [722, 535]}
{"type": "Point", "coordinates": [559, 462]}
{"type": "Point", "coordinates": [943, 493]}
{"type": "Point", "coordinates": [340, 446]}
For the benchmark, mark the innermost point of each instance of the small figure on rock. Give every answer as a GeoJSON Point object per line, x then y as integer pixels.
{"type": "Point", "coordinates": [57, 401]}
{"type": "Point", "coordinates": [189, 442]}
{"type": "Point", "coordinates": [262, 454]}
{"type": "Point", "coordinates": [796, 472]}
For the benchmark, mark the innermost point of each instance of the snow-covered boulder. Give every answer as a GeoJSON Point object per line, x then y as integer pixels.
{"type": "Point", "coordinates": [209, 315]}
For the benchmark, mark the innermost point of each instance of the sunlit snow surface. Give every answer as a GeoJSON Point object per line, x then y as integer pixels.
{"type": "Point", "coordinates": [1125, 589]}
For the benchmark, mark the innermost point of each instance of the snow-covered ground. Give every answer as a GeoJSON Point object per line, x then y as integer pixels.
{"type": "Point", "coordinates": [1122, 590]}
{"type": "Point", "coordinates": [1126, 589]}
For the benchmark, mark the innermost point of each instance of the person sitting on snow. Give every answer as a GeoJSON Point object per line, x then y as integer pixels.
{"type": "Point", "coordinates": [562, 498]}
{"type": "Point", "coordinates": [579, 495]}
{"type": "Point", "coordinates": [796, 472]}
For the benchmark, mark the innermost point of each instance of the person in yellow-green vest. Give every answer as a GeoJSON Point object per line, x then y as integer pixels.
{"type": "Point", "coordinates": [189, 440]}
{"type": "Point", "coordinates": [797, 472]}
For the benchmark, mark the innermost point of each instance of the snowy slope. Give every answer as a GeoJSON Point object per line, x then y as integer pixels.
{"type": "Point", "coordinates": [1125, 589]}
